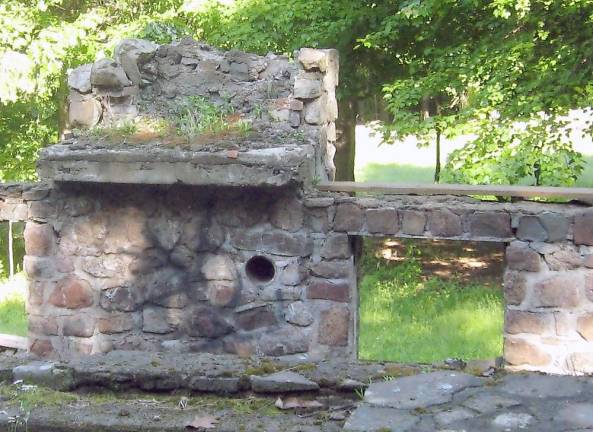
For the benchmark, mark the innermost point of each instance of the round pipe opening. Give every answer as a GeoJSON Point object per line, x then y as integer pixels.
{"type": "Point", "coordinates": [260, 269]}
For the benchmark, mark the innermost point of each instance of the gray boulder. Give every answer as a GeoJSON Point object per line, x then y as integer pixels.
{"type": "Point", "coordinates": [108, 73]}
{"type": "Point", "coordinates": [80, 78]}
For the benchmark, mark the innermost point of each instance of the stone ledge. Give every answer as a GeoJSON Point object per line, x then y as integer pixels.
{"type": "Point", "coordinates": [275, 167]}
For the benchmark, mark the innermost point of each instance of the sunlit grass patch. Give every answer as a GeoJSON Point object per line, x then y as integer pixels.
{"type": "Point", "coordinates": [406, 319]}
{"type": "Point", "coordinates": [13, 317]}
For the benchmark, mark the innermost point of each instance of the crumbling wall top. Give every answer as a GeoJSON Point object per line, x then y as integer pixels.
{"type": "Point", "coordinates": [186, 102]}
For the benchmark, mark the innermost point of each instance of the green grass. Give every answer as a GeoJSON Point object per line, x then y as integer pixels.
{"type": "Point", "coordinates": [13, 318]}
{"type": "Point", "coordinates": [405, 319]}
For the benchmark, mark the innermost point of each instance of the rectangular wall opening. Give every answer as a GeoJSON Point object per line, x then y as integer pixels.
{"type": "Point", "coordinates": [13, 282]}
{"type": "Point", "coordinates": [426, 301]}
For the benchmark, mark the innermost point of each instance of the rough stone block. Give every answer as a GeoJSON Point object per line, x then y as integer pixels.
{"type": "Point", "coordinates": [313, 59]}
{"type": "Point", "coordinates": [255, 318]}
{"type": "Point", "coordinates": [318, 219]}
{"type": "Point", "coordinates": [282, 382]}
{"type": "Point", "coordinates": [287, 214]}
{"type": "Point", "coordinates": [561, 290]}
{"type": "Point", "coordinates": [556, 225]}
{"type": "Point", "coordinates": [298, 313]}
{"type": "Point", "coordinates": [307, 88]}
{"type": "Point", "coordinates": [520, 257]}
{"type": "Point", "coordinates": [413, 222]}
{"type": "Point", "coordinates": [83, 111]}
{"type": "Point", "coordinates": [43, 325]}
{"type": "Point", "coordinates": [208, 322]}
{"type": "Point", "coordinates": [445, 223]}
{"type": "Point", "coordinates": [531, 229]}
{"type": "Point", "coordinates": [580, 363]}
{"type": "Point", "coordinates": [284, 341]}
{"type": "Point", "coordinates": [326, 290]}
{"type": "Point", "coordinates": [80, 78]}
{"type": "Point", "coordinates": [333, 269]}
{"type": "Point", "coordinates": [521, 352]}
{"type": "Point", "coordinates": [491, 224]}
{"type": "Point", "coordinates": [39, 268]}
{"type": "Point", "coordinates": [382, 221]}
{"type": "Point", "coordinates": [116, 323]}
{"type": "Point", "coordinates": [219, 267]}
{"type": "Point", "coordinates": [108, 73]}
{"type": "Point", "coordinates": [336, 246]}
{"type": "Point", "coordinates": [41, 210]}
{"type": "Point", "coordinates": [564, 259]}
{"type": "Point", "coordinates": [287, 244]}
{"type": "Point", "coordinates": [121, 298]}
{"type": "Point", "coordinates": [515, 287]}
{"type": "Point", "coordinates": [39, 239]}
{"type": "Point", "coordinates": [72, 293]}
{"type": "Point", "coordinates": [42, 348]}
{"type": "Point", "coordinates": [222, 293]}
{"type": "Point", "coordinates": [160, 320]}
{"type": "Point", "coordinates": [315, 113]}
{"type": "Point", "coordinates": [527, 322]}
{"type": "Point", "coordinates": [333, 326]}
{"type": "Point", "coordinates": [582, 232]}
{"type": "Point", "coordinates": [585, 326]}
{"type": "Point", "coordinates": [78, 326]}
{"type": "Point", "coordinates": [292, 274]}
{"type": "Point", "coordinates": [348, 217]}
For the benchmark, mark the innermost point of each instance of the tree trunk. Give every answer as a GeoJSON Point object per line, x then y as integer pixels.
{"type": "Point", "coordinates": [346, 137]}
{"type": "Point", "coordinates": [10, 251]}
{"type": "Point", "coordinates": [437, 165]}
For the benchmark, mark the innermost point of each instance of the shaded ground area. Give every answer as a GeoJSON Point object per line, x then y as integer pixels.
{"type": "Point", "coordinates": [461, 261]}
{"type": "Point", "coordinates": [423, 301]}
{"type": "Point", "coordinates": [322, 397]}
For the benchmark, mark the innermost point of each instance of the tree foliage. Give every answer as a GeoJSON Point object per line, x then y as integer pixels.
{"type": "Point", "coordinates": [481, 66]}
{"type": "Point", "coordinates": [490, 64]}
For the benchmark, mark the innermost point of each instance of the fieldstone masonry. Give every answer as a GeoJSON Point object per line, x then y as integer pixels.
{"type": "Point", "coordinates": [230, 249]}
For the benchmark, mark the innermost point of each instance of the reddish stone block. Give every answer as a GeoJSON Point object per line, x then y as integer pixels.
{"type": "Point", "coordinates": [116, 323]}
{"type": "Point", "coordinates": [585, 326]}
{"type": "Point", "coordinates": [333, 326]}
{"type": "Point", "coordinates": [521, 352]}
{"type": "Point", "coordinates": [515, 286]}
{"type": "Point", "coordinates": [207, 322]}
{"type": "Point", "coordinates": [326, 290]}
{"type": "Point", "coordinates": [41, 348]}
{"type": "Point", "coordinates": [521, 257]}
{"type": "Point", "coordinates": [78, 326]}
{"type": "Point", "coordinates": [39, 239]}
{"type": "Point", "coordinates": [42, 325]}
{"type": "Point", "coordinates": [72, 293]}
{"type": "Point", "coordinates": [527, 322]}
{"type": "Point", "coordinates": [560, 290]}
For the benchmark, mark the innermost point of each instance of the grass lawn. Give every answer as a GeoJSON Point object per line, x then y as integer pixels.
{"type": "Point", "coordinates": [405, 317]}
{"type": "Point", "coordinates": [13, 317]}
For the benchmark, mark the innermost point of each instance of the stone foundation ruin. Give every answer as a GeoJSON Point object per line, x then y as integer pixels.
{"type": "Point", "coordinates": [158, 238]}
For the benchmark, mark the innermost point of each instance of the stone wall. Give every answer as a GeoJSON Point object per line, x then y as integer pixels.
{"type": "Point", "coordinates": [167, 269]}
{"type": "Point", "coordinates": [20, 202]}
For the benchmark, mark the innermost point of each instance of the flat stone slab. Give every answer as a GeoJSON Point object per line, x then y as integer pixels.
{"type": "Point", "coordinates": [375, 419]}
{"type": "Point", "coordinates": [282, 382]}
{"type": "Point", "coordinates": [44, 373]}
{"type": "Point", "coordinates": [542, 386]}
{"type": "Point", "coordinates": [579, 415]}
{"type": "Point", "coordinates": [154, 164]}
{"type": "Point", "coordinates": [419, 391]}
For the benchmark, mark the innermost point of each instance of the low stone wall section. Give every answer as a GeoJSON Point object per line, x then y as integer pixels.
{"type": "Point", "coordinates": [548, 282]}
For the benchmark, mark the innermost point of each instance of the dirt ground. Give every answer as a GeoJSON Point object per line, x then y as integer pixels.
{"type": "Point", "coordinates": [463, 261]}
